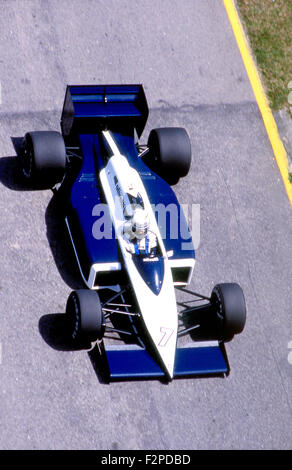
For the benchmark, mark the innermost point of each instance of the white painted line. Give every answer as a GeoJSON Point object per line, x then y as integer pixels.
{"type": "Point", "coordinates": [290, 353]}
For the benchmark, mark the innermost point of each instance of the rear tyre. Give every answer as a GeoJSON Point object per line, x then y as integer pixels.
{"type": "Point", "coordinates": [44, 157]}
{"type": "Point", "coordinates": [85, 316]}
{"type": "Point", "coordinates": [170, 153]}
{"type": "Point", "coordinates": [229, 307]}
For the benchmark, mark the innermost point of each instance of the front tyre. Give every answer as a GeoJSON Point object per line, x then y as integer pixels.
{"type": "Point", "coordinates": [85, 316]}
{"type": "Point", "coordinates": [229, 307]}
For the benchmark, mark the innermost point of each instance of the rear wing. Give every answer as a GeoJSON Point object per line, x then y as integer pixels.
{"type": "Point", "coordinates": [89, 108]}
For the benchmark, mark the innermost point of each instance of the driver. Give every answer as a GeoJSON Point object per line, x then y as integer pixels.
{"type": "Point", "coordinates": [137, 230]}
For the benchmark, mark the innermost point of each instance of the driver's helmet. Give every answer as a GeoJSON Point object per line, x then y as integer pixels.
{"type": "Point", "coordinates": [140, 223]}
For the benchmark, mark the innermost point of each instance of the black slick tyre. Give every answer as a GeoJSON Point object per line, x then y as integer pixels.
{"type": "Point", "coordinates": [85, 315]}
{"type": "Point", "coordinates": [44, 158]}
{"type": "Point", "coordinates": [229, 308]}
{"type": "Point", "coordinates": [169, 153]}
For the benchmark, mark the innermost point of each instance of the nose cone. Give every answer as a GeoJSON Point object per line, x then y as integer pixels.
{"type": "Point", "coordinates": [170, 373]}
{"type": "Point", "coordinates": [167, 358]}
{"type": "Point", "coordinates": [151, 271]}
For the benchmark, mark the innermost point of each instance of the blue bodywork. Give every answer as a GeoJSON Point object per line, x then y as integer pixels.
{"type": "Point", "coordinates": [152, 273]}
{"type": "Point", "coordinates": [134, 362]}
{"type": "Point", "coordinates": [88, 110]}
{"type": "Point", "coordinates": [86, 195]}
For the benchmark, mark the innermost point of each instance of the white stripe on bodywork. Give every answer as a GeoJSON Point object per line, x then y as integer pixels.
{"type": "Point", "coordinates": [101, 267]}
{"type": "Point", "coordinates": [158, 311]}
{"type": "Point", "coordinates": [111, 143]}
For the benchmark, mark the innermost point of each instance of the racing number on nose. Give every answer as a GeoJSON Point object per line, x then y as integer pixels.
{"type": "Point", "coordinates": [166, 334]}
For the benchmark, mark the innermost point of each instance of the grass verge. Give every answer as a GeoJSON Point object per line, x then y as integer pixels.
{"type": "Point", "coordinates": [269, 27]}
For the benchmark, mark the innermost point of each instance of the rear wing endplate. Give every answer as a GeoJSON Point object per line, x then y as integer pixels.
{"type": "Point", "coordinates": [89, 108]}
{"type": "Point", "coordinates": [196, 359]}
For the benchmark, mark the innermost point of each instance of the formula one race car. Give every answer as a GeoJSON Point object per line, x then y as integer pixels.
{"type": "Point", "coordinates": [118, 207]}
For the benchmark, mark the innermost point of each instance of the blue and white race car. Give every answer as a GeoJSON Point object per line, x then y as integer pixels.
{"type": "Point", "coordinates": [118, 200]}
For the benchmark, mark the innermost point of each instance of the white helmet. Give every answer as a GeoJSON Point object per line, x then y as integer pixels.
{"type": "Point", "coordinates": [140, 223]}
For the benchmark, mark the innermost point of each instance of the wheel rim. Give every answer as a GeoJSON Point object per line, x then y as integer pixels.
{"type": "Point", "coordinates": [217, 303]}
{"type": "Point", "coordinates": [27, 160]}
{"type": "Point", "coordinates": [74, 316]}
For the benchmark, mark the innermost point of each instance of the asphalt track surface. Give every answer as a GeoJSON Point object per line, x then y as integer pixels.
{"type": "Point", "coordinates": [187, 59]}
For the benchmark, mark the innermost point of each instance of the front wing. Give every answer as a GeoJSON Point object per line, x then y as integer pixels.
{"type": "Point", "coordinates": [195, 359]}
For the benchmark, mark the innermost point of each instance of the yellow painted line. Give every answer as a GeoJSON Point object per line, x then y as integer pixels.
{"type": "Point", "coordinates": [259, 92]}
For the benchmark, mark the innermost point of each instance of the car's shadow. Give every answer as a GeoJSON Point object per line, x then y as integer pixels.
{"type": "Point", "coordinates": [55, 331]}
{"type": "Point", "coordinates": [60, 244]}
{"type": "Point", "coordinates": [11, 174]}
{"type": "Point", "coordinates": [12, 177]}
